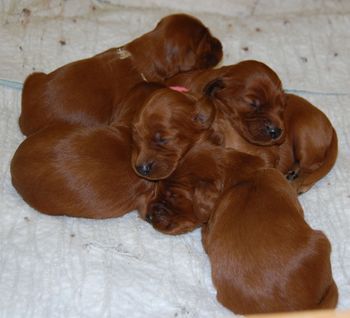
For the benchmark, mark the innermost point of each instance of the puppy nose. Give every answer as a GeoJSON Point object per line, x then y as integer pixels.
{"type": "Point", "coordinates": [148, 218]}
{"type": "Point", "coordinates": [145, 168]}
{"type": "Point", "coordinates": [273, 131]}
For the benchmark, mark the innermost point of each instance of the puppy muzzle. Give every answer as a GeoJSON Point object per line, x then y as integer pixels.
{"type": "Point", "coordinates": [273, 131]}
{"type": "Point", "coordinates": [144, 169]}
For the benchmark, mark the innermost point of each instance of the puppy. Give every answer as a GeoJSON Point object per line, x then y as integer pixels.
{"type": "Point", "coordinates": [86, 172]}
{"type": "Point", "coordinates": [311, 146]}
{"type": "Point", "coordinates": [85, 91]}
{"type": "Point", "coordinates": [163, 131]}
{"type": "Point", "coordinates": [66, 169]}
{"type": "Point", "coordinates": [264, 256]}
{"type": "Point", "coordinates": [250, 96]}
{"type": "Point", "coordinates": [249, 102]}
{"type": "Point", "coordinates": [186, 198]}
{"type": "Point", "coordinates": [253, 111]}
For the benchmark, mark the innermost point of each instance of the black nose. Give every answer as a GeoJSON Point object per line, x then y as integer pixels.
{"type": "Point", "coordinates": [148, 218]}
{"type": "Point", "coordinates": [144, 169]}
{"type": "Point", "coordinates": [273, 131]}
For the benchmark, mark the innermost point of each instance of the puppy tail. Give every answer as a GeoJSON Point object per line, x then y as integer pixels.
{"type": "Point", "coordinates": [331, 157]}
{"type": "Point", "coordinates": [330, 298]}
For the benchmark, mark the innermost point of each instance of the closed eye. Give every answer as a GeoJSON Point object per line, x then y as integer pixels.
{"type": "Point", "coordinates": [255, 104]}
{"type": "Point", "coordinates": [159, 139]}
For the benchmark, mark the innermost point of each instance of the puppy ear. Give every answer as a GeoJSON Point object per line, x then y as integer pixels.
{"type": "Point", "coordinates": [205, 107]}
{"type": "Point", "coordinates": [213, 86]}
{"type": "Point", "coordinates": [205, 196]}
{"type": "Point", "coordinates": [205, 113]}
{"type": "Point", "coordinates": [209, 50]}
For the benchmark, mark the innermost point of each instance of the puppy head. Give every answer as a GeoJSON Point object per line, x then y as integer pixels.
{"type": "Point", "coordinates": [252, 96]}
{"type": "Point", "coordinates": [185, 200]}
{"type": "Point", "coordinates": [172, 210]}
{"type": "Point", "coordinates": [167, 126]}
{"type": "Point", "coordinates": [185, 44]}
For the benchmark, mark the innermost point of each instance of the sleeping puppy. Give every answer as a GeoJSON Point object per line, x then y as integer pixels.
{"type": "Point", "coordinates": [84, 92]}
{"type": "Point", "coordinates": [66, 169]}
{"type": "Point", "coordinates": [297, 138]}
{"type": "Point", "coordinates": [168, 125]}
{"type": "Point", "coordinates": [74, 170]}
{"type": "Point", "coordinates": [186, 198]}
{"type": "Point", "coordinates": [311, 146]}
{"type": "Point", "coordinates": [264, 257]}
{"type": "Point", "coordinates": [250, 96]}
{"type": "Point", "coordinates": [249, 102]}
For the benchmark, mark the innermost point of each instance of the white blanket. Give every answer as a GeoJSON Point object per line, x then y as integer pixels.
{"type": "Point", "coordinates": [66, 267]}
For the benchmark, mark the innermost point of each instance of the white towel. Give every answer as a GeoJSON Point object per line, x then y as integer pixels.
{"type": "Point", "coordinates": [66, 267]}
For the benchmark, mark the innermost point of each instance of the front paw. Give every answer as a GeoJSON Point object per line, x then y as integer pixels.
{"type": "Point", "coordinates": [167, 221]}
{"type": "Point", "coordinates": [292, 175]}
{"type": "Point", "coordinates": [160, 217]}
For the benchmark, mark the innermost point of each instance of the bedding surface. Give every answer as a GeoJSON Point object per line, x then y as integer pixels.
{"type": "Point", "coordinates": [67, 267]}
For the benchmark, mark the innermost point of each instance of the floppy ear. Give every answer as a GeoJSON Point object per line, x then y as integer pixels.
{"type": "Point", "coordinates": [205, 107]}
{"type": "Point", "coordinates": [204, 113]}
{"type": "Point", "coordinates": [204, 199]}
{"type": "Point", "coordinates": [222, 91]}
{"type": "Point", "coordinates": [209, 50]}
{"type": "Point", "coordinates": [213, 86]}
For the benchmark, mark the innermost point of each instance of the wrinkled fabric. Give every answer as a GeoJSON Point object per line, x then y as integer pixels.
{"type": "Point", "coordinates": [67, 267]}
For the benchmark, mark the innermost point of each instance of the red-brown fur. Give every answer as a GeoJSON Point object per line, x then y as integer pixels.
{"type": "Point", "coordinates": [311, 145]}
{"type": "Point", "coordinates": [66, 169]}
{"type": "Point", "coordinates": [85, 91]}
{"type": "Point", "coordinates": [264, 257]}
{"type": "Point", "coordinates": [249, 94]}
{"type": "Point", "coordinates": [165, 129]}
{"type": "Point", "coordinates": [89, 172]}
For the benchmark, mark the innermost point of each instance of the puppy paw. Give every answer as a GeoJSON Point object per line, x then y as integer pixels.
{"type": "Point", "coordinates": [169, 222]}
{"type": "Point", "coordinates": [292, 175]}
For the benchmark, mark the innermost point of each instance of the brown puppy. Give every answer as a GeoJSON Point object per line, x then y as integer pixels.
{"type": "Point", "coordinates": [86, 172]}
{"type": "Point", "coordinates": [165, 129]}
{"type": "Point", "coordinates": [298, 138]}
{"type": "Point", "coordinates": [187, 197]}
{"type": "Point", "coordinates": [311, 146]}
{"type": "Point", "coordinates": [79, 171]}
{"type": "Point", "coordinates": [249, 95]}
{"type": "Point", "coordinates": [264, 256]}
{"type": "Point", "coordinates": [85, 91]}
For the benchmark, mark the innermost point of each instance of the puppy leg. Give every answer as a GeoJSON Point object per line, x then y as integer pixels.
{"type": "Point", "coordinates": [31, 118]}
{"type": "Point", "coordinates": [170, 222]}
{"type": "Point", "coordinates": [330, 299]}
{"type": "Point", "coordinates": [293, 172]}
{"type": "Point", "coordinates": [309, 172]}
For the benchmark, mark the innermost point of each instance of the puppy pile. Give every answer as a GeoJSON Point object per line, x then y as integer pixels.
{"type": "Point", "coordinates": [152, 126]}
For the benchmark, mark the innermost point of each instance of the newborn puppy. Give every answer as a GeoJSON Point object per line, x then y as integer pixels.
{"type": "Point", "coordinates": [306, 145]}
{"type": "Point", "coordinates": [250, 97]}
{"type": "Point", "coordinates": [186, 198]}
{"type": "Point", "coordinates": [85, 91]}
{"type": "Point", "coordinates": [311, 146]}
{"type": "Point", "coordinates": [86, 172]}
{"type": "Point", "coordinates": [166, 127]}
{"type": "Point", "coordinates": [78, 171]}
{"type": "Point", "coordinates": [264, 256]}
